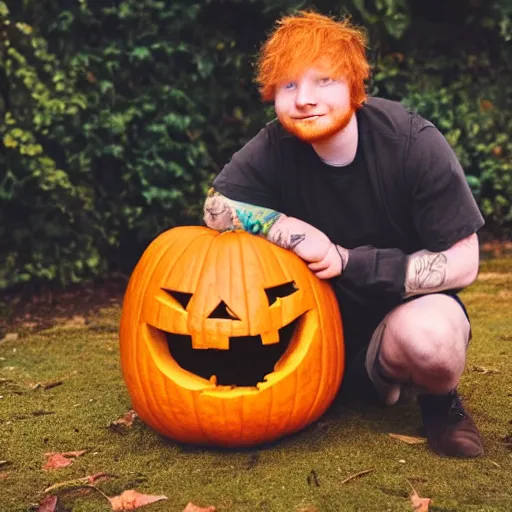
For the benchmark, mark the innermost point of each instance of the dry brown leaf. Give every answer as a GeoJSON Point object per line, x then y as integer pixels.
{"type": "Point", "coordinates": [409, 439]}
{"type": "Point", "coordinates": [48, 504]}
{"type": "Point", "coordinates": [194, 508]}
{"type": "Point", "coordinates": [130, 500]}
{"type": "Point", "coordinates": [420, 504]}
{"type": "Point", "coordinates": [61, 460]}
{"type": "Point", "coordinates": [4, 475]}
{"type": "Point", "coordinates": [126, 420]}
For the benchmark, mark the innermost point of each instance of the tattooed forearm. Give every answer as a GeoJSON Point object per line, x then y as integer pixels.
{"type": "Point", "coordinates": [305, 240]}
{"type": "Point", "coordinates": [431, 272]}
{"type": "Point", "coordinates": [426, 272]}
{"type": "Point", "coordinates": [223, 214]}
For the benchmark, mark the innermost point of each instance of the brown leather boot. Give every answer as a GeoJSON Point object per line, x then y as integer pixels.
{"type": "Point", "coordinates": [450, 430]}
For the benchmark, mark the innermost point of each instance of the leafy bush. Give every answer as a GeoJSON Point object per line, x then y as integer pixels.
{"type": "Point", "coordinates": [119, 113]}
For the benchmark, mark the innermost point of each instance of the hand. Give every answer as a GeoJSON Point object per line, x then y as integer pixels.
{"type": "Point", "coordinates": [306, 241]}
{"type": "Point", "coordinates": [332, 264]}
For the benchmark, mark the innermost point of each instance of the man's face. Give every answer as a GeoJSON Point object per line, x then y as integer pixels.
{"type": "Point", "coordinates": [315, 106]}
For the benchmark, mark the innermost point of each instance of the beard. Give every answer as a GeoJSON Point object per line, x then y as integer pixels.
{"type": "Point", "coordinates": [318, 129]}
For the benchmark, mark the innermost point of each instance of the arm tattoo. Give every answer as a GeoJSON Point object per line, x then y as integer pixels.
{"type": "Point", "coordinates": [426, 272]}
{"type": "Point", "coordinates": [284, 239]}
{"type": "Point", "coordinates": [225, 214]}
{"type": "Point", "coordinates": [296, 240]}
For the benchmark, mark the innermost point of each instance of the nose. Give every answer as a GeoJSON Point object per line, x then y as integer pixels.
{"type": "Point", "coordinates": [305, 95]}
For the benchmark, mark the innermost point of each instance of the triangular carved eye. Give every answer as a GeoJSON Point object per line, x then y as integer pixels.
{"type": "Point", "coordinates": [182, 297]}
{"type": "Point", "coordinates": [280, 291]}
{"type": "Point", "coordinates": [223, 311]}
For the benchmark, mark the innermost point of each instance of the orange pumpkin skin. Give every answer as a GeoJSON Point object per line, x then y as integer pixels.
{"type": "Point", "coordinates": [236, 268]}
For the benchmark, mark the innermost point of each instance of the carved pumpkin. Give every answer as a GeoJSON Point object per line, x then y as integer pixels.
{"type": "Point", "coordinates": [227, 339]}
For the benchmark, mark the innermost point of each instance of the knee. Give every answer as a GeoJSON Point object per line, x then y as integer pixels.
{"type": "Point", "coordinates": [425, 345]}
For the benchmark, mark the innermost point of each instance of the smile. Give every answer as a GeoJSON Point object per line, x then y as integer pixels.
{"type": "Point", "coordinates": [308, 118]}
{"type": "Point", "coordinates": [245, 363]}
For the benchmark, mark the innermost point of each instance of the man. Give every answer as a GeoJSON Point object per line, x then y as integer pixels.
{"type": "Point", "coordinates": [372, 197]}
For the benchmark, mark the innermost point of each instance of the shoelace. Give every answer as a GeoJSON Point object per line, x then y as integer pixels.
{"type": "Point", "coordinates": [456, 411]}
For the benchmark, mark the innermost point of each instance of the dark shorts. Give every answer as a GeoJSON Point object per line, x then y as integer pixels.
{"type": "Point", "coordinates": [358, 339]}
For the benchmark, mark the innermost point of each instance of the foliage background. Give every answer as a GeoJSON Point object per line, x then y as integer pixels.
{"type": "Point", "coordinates": [116, 114]}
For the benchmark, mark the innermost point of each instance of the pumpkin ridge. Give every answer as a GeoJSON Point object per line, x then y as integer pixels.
{"type": "Point", "coordinates": [134, 346]}
{"type": "Point", "coordinates": [183, 252]}
{"type": "Point", "coordinates": [291, 414]}
{"type": "Point", "coordinates": [161, 250]}
{"type": "Point", "coordinates": [195, 400]}
{"type": "Point", "coordinates": [240, 250]}
{"type": "Point", "coordinates": [316, 403]}
{"type": "Point", "coordinates": [284, 271]}
{"type": "Point", "coordinates": [160, 377]}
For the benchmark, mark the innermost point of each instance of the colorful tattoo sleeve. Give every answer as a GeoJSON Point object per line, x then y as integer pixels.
{"type": "Point", "coordinates": [226, 214]}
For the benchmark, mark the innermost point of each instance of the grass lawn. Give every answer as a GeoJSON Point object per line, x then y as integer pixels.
{"type": "Point", "coordinates": [60, 388]}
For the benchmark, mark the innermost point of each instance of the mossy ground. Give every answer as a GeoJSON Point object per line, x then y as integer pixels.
{"type": "Point", "coordinates": [300, 471]}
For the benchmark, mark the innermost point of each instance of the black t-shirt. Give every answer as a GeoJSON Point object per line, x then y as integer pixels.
{"type": "Point", "coordinates": [404, 191]}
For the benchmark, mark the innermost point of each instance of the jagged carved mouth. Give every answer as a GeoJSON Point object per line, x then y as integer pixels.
{"type": "Point", "coordinates": [245, 363]}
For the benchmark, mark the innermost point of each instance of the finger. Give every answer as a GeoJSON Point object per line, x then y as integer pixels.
{"type": "Point", "coordinates": [325, 274]}
{"type": "Point", "coordinates": [317, 266]}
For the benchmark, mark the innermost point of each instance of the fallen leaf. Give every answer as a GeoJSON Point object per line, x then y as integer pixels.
{"type": "Point", "coordinates": [409, 439]}
{"type": "Point", "coordinates": [86, 481]}
{"type": "Point", "coordinates": [356, 475]}
{"type": "Point", "coordinates": [420, 504]}
{"type": "Point", "coordinates": [130, 500]}
{"type": "Point", "coordinates": [194, 508]}
{"type": "Point", "coordinates": [4, 475]}
{"type": "Point", "coordinates": [48, 504]}
{"type": "Point", "coordinates": [483, 370]}
{"type": "Point", "coordinates": [125, 421]}
{"type": "Point", "coordinates": [61, 460]}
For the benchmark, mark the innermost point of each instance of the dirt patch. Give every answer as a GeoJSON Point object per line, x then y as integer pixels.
{"type": "Point", "coordinates": [49, 307]}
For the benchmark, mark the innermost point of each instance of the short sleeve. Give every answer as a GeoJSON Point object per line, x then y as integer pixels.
{"type": "Point", "coordinates": [443, 208]}
{"type": "Point", "coordinates": [252, 174]}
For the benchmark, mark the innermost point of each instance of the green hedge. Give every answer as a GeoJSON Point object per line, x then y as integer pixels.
{"type": "Point", "coordinates": [119, 113]}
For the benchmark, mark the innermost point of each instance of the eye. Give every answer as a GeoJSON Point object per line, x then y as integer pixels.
{"type": "Point", "coordinates": [289, 86]}
{"type": "Point", "coordinates": [182, 297]}
{"type": "Point", "coordinates": [223, 311]}
{"type": "Point", "coordinates": [280, 291]}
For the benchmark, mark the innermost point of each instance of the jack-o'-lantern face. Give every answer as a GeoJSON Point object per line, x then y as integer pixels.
{"type": "Point", "coordinates": [239, 359]}
{"type": "Point", "coordinates": [228, 339]}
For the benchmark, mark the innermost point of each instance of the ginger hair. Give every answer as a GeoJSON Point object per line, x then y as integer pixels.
{"type": "Point", "coordinates": [308, 39]}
